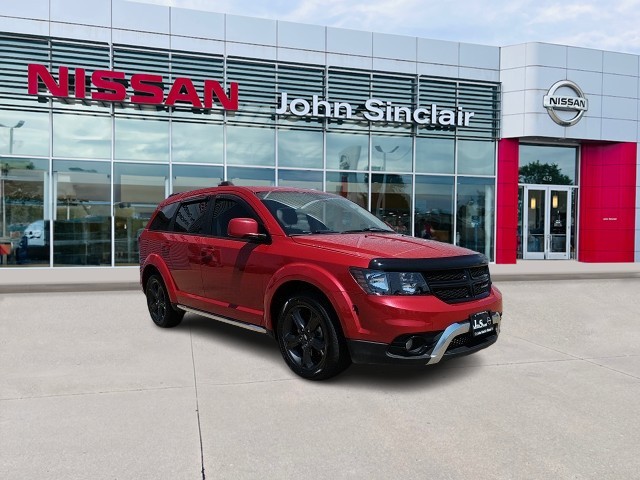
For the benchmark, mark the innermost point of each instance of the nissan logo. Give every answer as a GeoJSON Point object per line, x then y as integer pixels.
{"type": "Point", "coordinates": [562, 103]}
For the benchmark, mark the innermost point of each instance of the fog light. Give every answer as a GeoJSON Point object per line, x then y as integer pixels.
{"type": "Point", "coordinates": [414, 344]}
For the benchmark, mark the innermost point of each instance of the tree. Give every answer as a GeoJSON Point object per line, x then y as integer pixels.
{"type": "Point", "coordinates": [543, 173]}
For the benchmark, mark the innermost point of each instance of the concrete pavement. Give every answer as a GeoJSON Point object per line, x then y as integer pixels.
{"type": "Point", "coordinates": [16, 280]}
{"type": "Point", "coordinates": [90, 388]}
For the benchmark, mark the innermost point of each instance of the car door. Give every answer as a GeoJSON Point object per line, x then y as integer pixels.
{"type": "Point", "coordinates": [182, 247]}
{"type": "Point", "coordinates": [235, 271]}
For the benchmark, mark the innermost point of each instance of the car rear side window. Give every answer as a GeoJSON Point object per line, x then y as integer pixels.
{"type": "Point", "coordinates": [191, 217]}
{"type": "Point", "coordinates": [162, 220]}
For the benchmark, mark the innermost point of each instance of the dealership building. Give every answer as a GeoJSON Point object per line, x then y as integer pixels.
{"type": "Point", "coordinates": [106, 107]}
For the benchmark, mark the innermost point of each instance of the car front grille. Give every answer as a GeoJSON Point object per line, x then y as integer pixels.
{"type": "Point", "coordinates": [459, 285]}
{"type": "Point", "coordinates": [469, 341]}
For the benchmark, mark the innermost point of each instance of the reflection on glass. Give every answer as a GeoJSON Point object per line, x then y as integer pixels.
{"type": "Point", "coordinates": [434, 208]}
{"type": "Point", "coordinates": [476, 157]}
{"type": "Point", "coordinates": [24, 133]}
{"type": "Point", "coordinates": [24, 231]}
{"type": "Point", "coordinates": [350, 185]}
{"type": "Point", "coordinates": [142, 139]}
{"type": "Point", "coordinates": [391, 154]}
{"type": "Point", "coordinates": [542, 164]}
{"type": "Point", "coordinates": [300, 179]}
{"type": "Point", "coordinates": [391, 200]}
{"type": "Point", "coordinates": [475, 214]}
{"type": "Point", "coordinates": [251, 176]}
{"type": "Point", "coordinates": [190, 177]}
{"type": "Point", "coordinates": [137, 190]}
{"type": "Point", "coordinates": [196, 142]}
{"type": "Point", "coordinates": [300, 148]}
{"type": "Point", "coordinates": [435, 155]}
{"type": "Point", "coordinates": [520, 217]}
{"type": "Point", "coordinates": [558, 220]}
{"type": "Point", "coordinates": [250, 146]}
{"type": "Point", "coordinates": [82, 217]}
{"type": "Point", "coordinates": [85, 136]}
{"type": "Point", "coordinates": [346, 151]}
{"type": "Point", "coordinates": [537, 218]}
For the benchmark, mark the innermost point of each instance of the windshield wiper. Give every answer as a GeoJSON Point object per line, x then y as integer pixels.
{"type": "Point", "coordinates": [370, 229]}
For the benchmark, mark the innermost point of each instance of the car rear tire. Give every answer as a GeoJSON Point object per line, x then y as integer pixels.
{"type": "Point", "coordinates": [162, 312]}
{"type": "Point", "coordinates": [310, 340]}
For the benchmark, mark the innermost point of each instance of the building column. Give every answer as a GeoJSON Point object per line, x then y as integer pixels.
{"type": "Point", "coordinates": [507, 201]}
{"type": "Point", "coordinates": [607, 208]}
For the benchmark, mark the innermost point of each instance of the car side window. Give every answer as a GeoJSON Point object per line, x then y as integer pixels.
{"type": "Point", "coordinates": [227, 208]}
{"type": "Point", "coordinates": [162, 220]}
{"type": "Point", "coordinates": [191, 217]}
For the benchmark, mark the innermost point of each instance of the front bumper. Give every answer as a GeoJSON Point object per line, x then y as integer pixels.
{"type": "Point", "coordinates": [454, 341]}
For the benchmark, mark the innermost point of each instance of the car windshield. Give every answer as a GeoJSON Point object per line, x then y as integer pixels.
{"type": "Point", "coordinates": [305, 213]}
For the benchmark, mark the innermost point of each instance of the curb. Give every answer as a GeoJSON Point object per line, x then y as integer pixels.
{"type": "Point", "coordinates": [130, 286]}
{"type": "Point", "coordinates": [70, 287]}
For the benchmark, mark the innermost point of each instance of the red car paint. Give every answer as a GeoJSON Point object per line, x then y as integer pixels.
{"type": "Point", "coordinates": [240, 279]}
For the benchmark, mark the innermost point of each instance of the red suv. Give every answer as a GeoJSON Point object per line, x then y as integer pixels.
{"type": "Point", "coordinates": [329, 280]}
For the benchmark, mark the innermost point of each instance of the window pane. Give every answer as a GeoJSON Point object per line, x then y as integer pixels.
{"type": "Point", "coordinates": [24, 231]}
{"type": "Point", "coordinates": [475, 214]}
{"type": "Point", "coordinates": [224, 210]}
{"type": "Point", "coordinates": [476, 158]}
{"type": "Point", "coordinates": [434, 208]}
{"type": "Point", "coordinates": [191, 216]}
{"type": "Point", "coordinates": [162, 220]}
{"type": "Point", "coordinates": [391, 200]}
{"type": "Point", "coordinates": [24, 133]}
{"type": "Point", "coordinates": [191, 177]}
{"type": "Point", "coordinates": [350, 185]}
{"type": "Point", "coordinates": [250, 146]}
{"type": "Point", "coordinates": [300, 148]}
{"type": "Point", "coordinates": [347, 151]}
{"type": "Point", "coordinates": [434, 155]}
{"type": "Point", "coordinates": [196, 142]}
{"type": "Point", "coordinates": [137, 190]}
{"type": "Point", "coordinates": [391, 154]}
{"type": "Point", "coordinates": [142, 139]}
{"type": "Point", "coordinates": [543, 164]}
{"type": "Point", "coordinates": [85, 136]}
{"type": "Point", "coordinates": [300, 179]}
{"type": "Point", "coordinates": [251, 176]}
{"type": "Point", "coordinates": [82, 218]}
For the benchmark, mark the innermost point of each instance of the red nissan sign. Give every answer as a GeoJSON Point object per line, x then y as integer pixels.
{"type": "Point", "coordinates": [111, 86]}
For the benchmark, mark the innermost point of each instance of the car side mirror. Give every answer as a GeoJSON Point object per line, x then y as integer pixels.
{"type": "Point", "coordinates": [246, 228]}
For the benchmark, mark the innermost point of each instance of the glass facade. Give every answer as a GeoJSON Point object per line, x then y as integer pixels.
{"type": "Point", "coordinates": [547, 200]}
{"type": "Point", "coordinates": [546, 164]}
{"type": "Point", "coordinates": [80, 178]}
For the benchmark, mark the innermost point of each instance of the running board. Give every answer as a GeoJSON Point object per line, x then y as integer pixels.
{"type": "Point", "coordinates": [248, 326]}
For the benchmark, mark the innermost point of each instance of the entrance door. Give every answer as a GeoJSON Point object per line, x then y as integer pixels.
{"type": "Point", "coordinates": [547, 223]}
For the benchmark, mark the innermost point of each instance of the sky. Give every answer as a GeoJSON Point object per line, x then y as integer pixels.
{"type": "Point", "coordinates": [601, 24]}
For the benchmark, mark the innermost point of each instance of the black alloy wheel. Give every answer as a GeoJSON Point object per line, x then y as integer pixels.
{"type": "Point", "coordinates": [309, 342]}
{"type": "Point", "coordinates": [162, 312]}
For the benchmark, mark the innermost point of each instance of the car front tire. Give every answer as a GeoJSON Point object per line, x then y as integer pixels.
{"type": "Point", "coordinates": [309, 339]}
{"type": "Point", "coordinates": [162, 312]}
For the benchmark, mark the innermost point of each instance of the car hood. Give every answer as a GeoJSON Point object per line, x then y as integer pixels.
{"type": "Point", "coordinates": [382, 245]}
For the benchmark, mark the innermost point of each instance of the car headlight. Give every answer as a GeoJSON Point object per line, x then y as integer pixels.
{"type": "Point", "coordinates": [378, 282]}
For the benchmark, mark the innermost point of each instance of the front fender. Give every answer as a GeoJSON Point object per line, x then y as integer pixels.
{"type": "Point", "coordinates": [155, 260]}
{"type": "Point", "coordinates": [324, 281]}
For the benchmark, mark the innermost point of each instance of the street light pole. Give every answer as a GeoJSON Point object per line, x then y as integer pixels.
{"type": "Point", "coordinates": [384, 169]}
{"type": "Point", "coordinates": [17, 125]}
{"type": "Point", "coordinates": [384, 155]}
